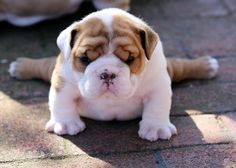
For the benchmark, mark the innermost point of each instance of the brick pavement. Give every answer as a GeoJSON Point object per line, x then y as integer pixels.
{"type": "Point", "coordinates": [203, 111]}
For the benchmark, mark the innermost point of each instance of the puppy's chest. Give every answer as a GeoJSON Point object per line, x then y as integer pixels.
{"type": "Point", "coordinates": [110, 109]}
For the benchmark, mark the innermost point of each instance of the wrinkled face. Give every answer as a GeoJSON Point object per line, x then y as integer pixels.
{"type": "Point", "coordinates": [108, 59]}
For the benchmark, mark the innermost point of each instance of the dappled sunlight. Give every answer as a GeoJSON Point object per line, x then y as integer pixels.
{"type": "Point", "coordinates": [9, 104]}
{"type": "Point", "coordinates": [230, 122]}
{"type": "Point", "coordinates": [14, 107]}
{"type": "Point", "coordinates": [22, 131]}
{"type": "Point", "coordinates": [210, 126]}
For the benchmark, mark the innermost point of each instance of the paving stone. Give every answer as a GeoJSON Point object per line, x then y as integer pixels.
{"type": "Point", "coordinates": [185, 8]}
{"type": "Point", "coordinates": [231, 4]}
{"type": "Point", "coordinates": [186, 35]}
{"type": "Point", "coordinates": [227, 69]}
{"type": "Point", "coordinates": [202, 129]}
{"type": "Point", "coordinates": [23, 135]}
{"type": "Point", "coordinates": [180, 8]}
{"type": "Point", "coordinates": [12, 48]}
{"type": "Point", "coordinates": [112, 137]}
{"type": "Point", "coordinates": [229, 121]}
{"type": "Point", "coordinates": [197, 37]}
{"type": "Point", "coordinates": [216, 156]}
{"type": "Point", "coordinates": [22, 131]}
{"type": "Point", "coordinates": [145, 9]}
{"type": "Point", "coordinates": [199, 41]}
{"type": "Point", "coordinates": [203, 97]}
{"type": "Point", "coordinates": [133, 160]}
{"type": "Point", "coordinates": [18, 89]}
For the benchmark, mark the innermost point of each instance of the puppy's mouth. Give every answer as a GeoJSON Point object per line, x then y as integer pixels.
{"type": "Point", "coordinates": [109, 87]}
{"type": "Point", "coordinates": [108, 81]}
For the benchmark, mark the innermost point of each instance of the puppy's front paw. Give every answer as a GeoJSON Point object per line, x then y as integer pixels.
{"type": "Point", "coordinates": [62, 128]}
{"type": "Point", "coordinates": [152, 131]}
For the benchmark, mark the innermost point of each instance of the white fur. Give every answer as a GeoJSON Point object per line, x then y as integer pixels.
{"type": "Point", "coordinates": [91, 86]}
{"type": "Point", "coordinates": [64, 117]}
{"type": "Point", "coordinates": [147, 94]}
{"type": "Point", "coordinates": [12, 70]}
{"type": "Point", "coordinates": [63, 41]}
{"type": "Point", "coordinates": [213, 67]}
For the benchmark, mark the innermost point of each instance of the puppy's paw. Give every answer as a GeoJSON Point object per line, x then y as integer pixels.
{"type": "Point", "coordinates": [17, 68]}
{"type": "Point", "coordinates": [153, 131]}
{"type": "Point", "coordinates": [209, 67]}
{"type": "Point", "coordinates": [62, 128]}
{"type": "Point", "coordinates": [213, 67]}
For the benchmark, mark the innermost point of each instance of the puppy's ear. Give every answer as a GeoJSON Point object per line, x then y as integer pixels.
{"type": "Point", "coordinates": [149, 39]}
{"type": "Point", "coordinates": [65, 40]}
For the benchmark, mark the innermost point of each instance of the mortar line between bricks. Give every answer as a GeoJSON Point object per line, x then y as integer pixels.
{"type": "Point", "coordinates": [226, 7]}
{"type": "Point", "coordinates": [196, 145]}
{"type": "Point", "coordinates": [205, 113]}
{"type": "Point", "coordinates": [159, 161]}
{"type": "Point", "coordinates": [220, 57]}
{"type": "Point", "coordinates": [198, 17]}
{"type": "Point", "coordinates": [199, 83]}
{"type": "Point", "coordinates": [22, 98]}
{"type": "Point", "coordinates": [184, 49]}
{"type": "Point", "coordinates": [38, 159]}
{"type": "Point", "coordinates": [60, 157]}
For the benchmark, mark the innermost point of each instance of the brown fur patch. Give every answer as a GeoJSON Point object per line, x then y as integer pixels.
{"type": "Point", "coordinates": [27, 68]}
{"type": "Point", "coordinates": [56, 80]}
{"type": "Point", "coordinates": [132, 39]}
{"type": "Point", "coordinates": [126, 40]}
{"type": "Point", "coordinates": [91, 40]}
{"type": "Point", "coordinates": [182, 69]}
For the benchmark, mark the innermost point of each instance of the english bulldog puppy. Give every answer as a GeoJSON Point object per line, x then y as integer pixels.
{"type": "Point", "coordinates": [29, 12]}
{"type": "Point", "coordinates": [112, 67]}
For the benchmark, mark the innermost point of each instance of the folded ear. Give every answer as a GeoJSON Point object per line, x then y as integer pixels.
{"type": "Point", "coordinates": [65, 40]}
{"type": "Point", "coordinates": [149, 39]}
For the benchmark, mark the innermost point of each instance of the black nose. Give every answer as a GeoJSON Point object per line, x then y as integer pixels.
{"type": "Point", "coordinates": [107, 77]}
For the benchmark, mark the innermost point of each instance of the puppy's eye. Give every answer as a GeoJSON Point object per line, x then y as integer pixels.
{"type": "Point", "coordinates": [85, 60]}
{"type": "Point", "coordinates": [130, 60]}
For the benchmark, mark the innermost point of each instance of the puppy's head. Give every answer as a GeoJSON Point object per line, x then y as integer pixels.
{"type": "Point", "coordinates": [108, 51]}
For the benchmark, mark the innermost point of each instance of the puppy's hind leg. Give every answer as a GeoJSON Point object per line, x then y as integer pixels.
{"type": "Point", "coordinates": [200, 68]}
{"type": "Point", "coordinates": [26, 68]}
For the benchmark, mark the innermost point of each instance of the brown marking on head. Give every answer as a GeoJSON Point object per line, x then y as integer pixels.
{"type": "Point", "coordinates": [89, 40]}
{"type": "Point", "coordinates": [133, 42]}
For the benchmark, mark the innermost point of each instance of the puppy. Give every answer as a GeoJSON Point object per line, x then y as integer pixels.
{"type": "Point", "coordinates": [29, 12]}
{"type": "Point", "coordinates": [112, 67]}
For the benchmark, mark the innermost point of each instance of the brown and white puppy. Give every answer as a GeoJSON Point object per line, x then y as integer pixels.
{"type": "Point", "coordinates": [112, 66]}
{"type": "Point", "coordinates": [29, 12]}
